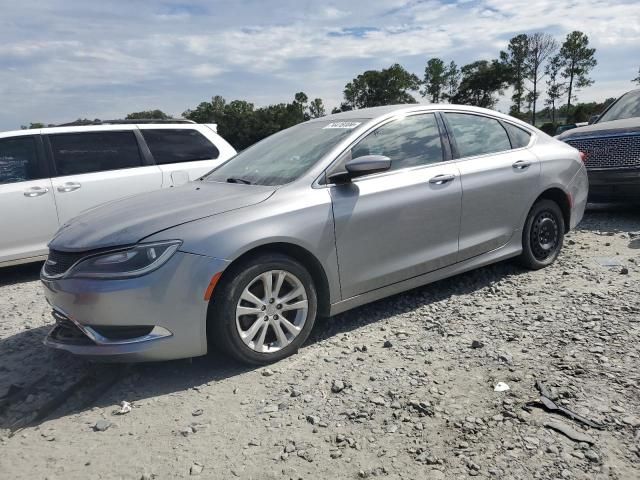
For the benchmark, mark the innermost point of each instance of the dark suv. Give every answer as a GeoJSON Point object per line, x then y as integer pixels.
{"type": "Point", "coordinates": [612, 148]}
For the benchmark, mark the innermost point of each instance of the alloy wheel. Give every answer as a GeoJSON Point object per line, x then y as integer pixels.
{"type": "Point", "coordinates": [271, 311]}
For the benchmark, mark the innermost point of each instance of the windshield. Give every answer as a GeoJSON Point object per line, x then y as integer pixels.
{"type": "Point", "coordinates": [284, 156]}
{"type": "Point", "coordinates": [628, 106]}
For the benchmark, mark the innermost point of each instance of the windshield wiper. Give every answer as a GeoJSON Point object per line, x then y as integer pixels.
{"type": "Point", "coordinates": [238, 180]}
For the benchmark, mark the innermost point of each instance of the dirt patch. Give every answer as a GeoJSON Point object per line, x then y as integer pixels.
{"type": "Point", "coordinates": [402, 388]}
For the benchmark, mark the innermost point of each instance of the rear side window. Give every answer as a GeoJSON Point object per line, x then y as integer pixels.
{"type": "Point", "coordinates": [18, 160]}
{"type": "Point", "coordinates": [411, 141]}
{"type": "Point", "coordinates": [86, 152]}
{"type": "Point", "coordinates": [179, 145]}
{"type": "Point", "coordinates": [477, 135]}
{"type": "Point", "coordinates": [519, 137]}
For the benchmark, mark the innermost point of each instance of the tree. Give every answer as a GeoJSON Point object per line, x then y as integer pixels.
{"type": "Point", "coordinates": [32, 125]}
{"type": "Point", "coordinates": [577, 60]}
{"type": "Point", "coordinates": [515, 59]}
{"type": "Point", "coordinates": [481, 81]}
{"type": "Point", "coordinates": [541, 46]}
{"type": "Point", "coordinates": [637, 79]}
{"type": "Point", "coordinates": [381, 87]}
{"type": "Point", "coordinates": [148, 114]}
{"type": "Point", "coordinates": [241, 124]}
{"type": "Point", "coordinates": [434, 79]}
{"type": "Point", "coordinates": [316, 108]}
{"type": "Point", "coordinates": [300, 101]}
{"type": "Point", "coordinates": [344, 107]}
{"type": "Point", "coordinates": [582, 112]}
{"type": "Point", "coordinates": [452, 80]}
{"type": "Point", "coordinates": [555, 88]}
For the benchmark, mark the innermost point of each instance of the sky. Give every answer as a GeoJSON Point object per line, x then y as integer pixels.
{"type": "Point", "coordinates": [67, 59]}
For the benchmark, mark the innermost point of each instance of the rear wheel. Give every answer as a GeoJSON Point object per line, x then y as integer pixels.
{"type": "Point", "coordinates": [543, 235]}
{"type": "Point", "coordinates": [264, 310]}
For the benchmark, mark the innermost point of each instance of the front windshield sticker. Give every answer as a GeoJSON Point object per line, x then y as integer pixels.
{"type": "Point", "coordinates": [347, 125]}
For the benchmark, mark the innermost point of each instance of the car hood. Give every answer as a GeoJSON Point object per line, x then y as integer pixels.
{"type": "Point", "coordinates": [627, 125]}
{"type": "Point", "coordinates": [131, 219]}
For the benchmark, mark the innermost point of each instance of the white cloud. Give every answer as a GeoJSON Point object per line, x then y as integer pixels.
{"type": "Point", "coordinates": [60, 59]}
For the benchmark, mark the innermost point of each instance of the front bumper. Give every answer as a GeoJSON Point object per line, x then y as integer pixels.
{"type": "Point", "coordinates": [614, 185]}
{"type": "Point", "coordinates": [166, 307]}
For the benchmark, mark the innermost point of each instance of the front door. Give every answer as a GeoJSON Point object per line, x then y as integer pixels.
{"type": "Point", "coordinates": [93, 168]}
{"type": "Point", "coordinates": [28, 217]}
{"type": "Point", "coordinates": [402, 223]}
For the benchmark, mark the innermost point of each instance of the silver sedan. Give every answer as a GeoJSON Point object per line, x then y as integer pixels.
{"type": "Point", "coordinates": [312, 221]}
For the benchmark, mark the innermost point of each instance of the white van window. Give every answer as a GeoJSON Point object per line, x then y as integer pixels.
{"type": "Point", "coordinates": [179, 145]}
{"type": "Point", "coordinates": [86, 152]}
{"type": "Point", "coordinates": [18, 160]}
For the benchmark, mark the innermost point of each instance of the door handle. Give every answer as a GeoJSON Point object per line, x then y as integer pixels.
{"type": "Point", "coordinates": [441, 179]}
{"type": "Point", "coordinates": [69, 187]}
{"type": "Point", "coordinates": [522, 164]}
{"type": "Point", "coordinates": [35, 192]}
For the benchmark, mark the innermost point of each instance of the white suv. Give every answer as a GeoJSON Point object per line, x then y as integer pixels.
{"type": "Point", "coordinates": [50, 175]}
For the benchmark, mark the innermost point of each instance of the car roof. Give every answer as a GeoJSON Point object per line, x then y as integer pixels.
{"type": "Point", "coordinates": [390, 110]}
{"type": "Point", "coordinates": [99, 128]}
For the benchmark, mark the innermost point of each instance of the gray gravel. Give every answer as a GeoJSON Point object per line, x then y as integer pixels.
{"type": "Point", "coordinates": [402, 388]}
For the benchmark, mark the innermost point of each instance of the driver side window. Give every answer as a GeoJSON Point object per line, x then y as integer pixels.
{"type": "Point", "coordinates": [409, 142]}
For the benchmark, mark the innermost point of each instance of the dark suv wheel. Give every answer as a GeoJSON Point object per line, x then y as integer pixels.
{"type": "Point", "coordinates": [264, 309]}
{"type": "Point", "coordinates": [543, 235]}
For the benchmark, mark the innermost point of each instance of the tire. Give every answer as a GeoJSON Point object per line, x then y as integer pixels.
{"type": "Point", "coordinates": [542, 236]}
{"type": "Point", "coordinates": [227, 324]}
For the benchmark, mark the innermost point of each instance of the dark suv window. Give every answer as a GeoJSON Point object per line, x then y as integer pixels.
{"type": "Point", "coordinates": [477, 135]}
{"type": "Point", "coordinates": [18, 160]}
{"type": "Point", "coordinates": [86, 152]}
{"type": "Point", "coordinates": [179, 145]}
{"type": "Point", "coordinates": [411, 141]}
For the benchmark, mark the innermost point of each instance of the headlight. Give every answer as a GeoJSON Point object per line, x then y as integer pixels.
{"type": "Point", "coordinates": [126, 263]}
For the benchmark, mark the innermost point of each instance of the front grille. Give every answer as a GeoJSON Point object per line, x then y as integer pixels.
{"type": "Point", "coordinates": [112, 332]}
{"type": "Point", "coordinates": [59, 262]}
{"type": "Point", "coordinates": [616, 151]}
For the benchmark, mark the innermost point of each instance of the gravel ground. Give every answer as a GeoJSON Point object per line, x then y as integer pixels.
{"type": "Point", "coordinates": [402, 388]}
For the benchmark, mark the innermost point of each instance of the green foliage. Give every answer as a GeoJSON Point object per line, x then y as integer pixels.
{"type": "Point", "coordinates": [549, 128]}
{"type": "Point", "coordinates": [316, 108]}
{"type": "Point", "coordinates": [242, 125]}
{"type": "Point", "coordinates": [542, 46]}
{"type": "Point", "coordinates": [555, 87]}
{"type": "Point", "coordinates": [381, 87]}
{"type": "Point", "coordinates": [434, 80]}
{"type": "Point", "coordinates": [582, 112]}
{"type": "Point", "coordinates": [577, 60]}
{"type": "Point", "coordinates": [148, 114]}
{"type": "Point", "coordinates": [452, 81]}
{"type": "Point", "coordinates": [32, 125]}
{"type": "Point", "coordinates": [481, 82]}
{"type": "Point", "coordinates": [637, 79]}
{"type": "Point", "coordinates": [514, 60]}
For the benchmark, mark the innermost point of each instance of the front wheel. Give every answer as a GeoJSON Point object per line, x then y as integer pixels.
{"type": "Point", "coordinates": [543, 235]}
{"type": "Point", "coordinates": [264, 310]}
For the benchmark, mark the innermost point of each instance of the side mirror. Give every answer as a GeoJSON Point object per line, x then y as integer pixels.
{"type": "Point", "coordinates": [593, 119]}
{"type": "Point", "coordinates": [358, 167]}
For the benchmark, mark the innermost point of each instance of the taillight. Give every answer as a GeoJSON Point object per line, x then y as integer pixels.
{"type": "Point", "coordinates": [583, 157]}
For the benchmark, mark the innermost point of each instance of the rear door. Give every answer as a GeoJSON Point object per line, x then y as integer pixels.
{"type": "Point", "coordinates": [500, 179]}
{"type": "Point", "coordinates": [95, 167]}
{"type": "Point", "coordinates": [183, 153]}
{"type": "Point", "coordinates": [28, 217]}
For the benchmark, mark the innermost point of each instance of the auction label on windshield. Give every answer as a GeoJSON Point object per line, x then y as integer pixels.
{"type": "Point", "coordinates": [347, 125]}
